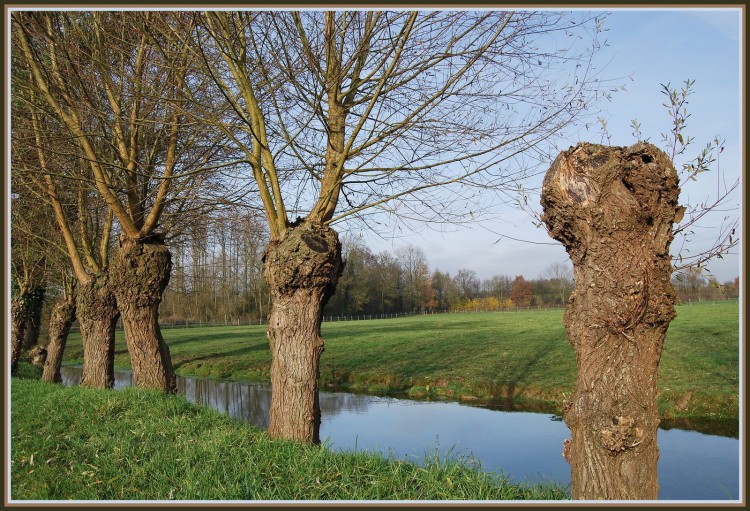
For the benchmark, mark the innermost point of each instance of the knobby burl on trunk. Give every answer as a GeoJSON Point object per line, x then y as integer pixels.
{"type": "Point", "coordinates": [301, 269]}
{"type": "Point", "coordinates": [613, 209]}
{"type": "Point", "coordinates": [140, 273]}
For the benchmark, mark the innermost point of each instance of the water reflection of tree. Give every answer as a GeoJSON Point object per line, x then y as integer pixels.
{"type": "Point", "coordinates": [335, 403]}
{"type": "Point", "coordinates": [251, 402]}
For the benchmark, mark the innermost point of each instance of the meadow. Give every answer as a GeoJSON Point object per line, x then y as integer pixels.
{"type": "Point", "coordinates": [508, 359]}
{"type": "Point", "coordinates": [94, 444]}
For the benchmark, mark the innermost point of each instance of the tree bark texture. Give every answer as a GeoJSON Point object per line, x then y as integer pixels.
{"type": "Point", "coordinates": [63, 315]}
{"type": "Point", "coordinates": [301, 270]}
{"type": "Point", "coordinates": [140, 274]}
{"type": "Point", "coordinates": [19, 313]}
{"type": "Point", "coordinates": [97, 313]}
{"type": "Point", "coordinates": [34, 320]}
{"type": "Point", "coordinates": [613, 208]}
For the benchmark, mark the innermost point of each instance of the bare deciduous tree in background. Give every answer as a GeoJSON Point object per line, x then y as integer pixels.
{"type": "Point", "coordinates": [560, 276]}
{"type": "Point", "coordinates": [415, 277]}
{"type": "Point", "coordinates": [29, 265]}
{"type": "Point", "coordinates": [217, 269]}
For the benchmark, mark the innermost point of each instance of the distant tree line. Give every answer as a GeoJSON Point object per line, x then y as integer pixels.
{"type": "Point", "coordinates": [403, 282]}
{"type": "Point", "coordinates": [218, 271]}
{"type": "Point", "coordinates": [693, 285]}
{"type": "Point", "coordinates": [217, 277]}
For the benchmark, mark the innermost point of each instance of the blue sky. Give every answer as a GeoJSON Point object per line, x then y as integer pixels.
{"type": "Point", "coordinates": [646, 47]}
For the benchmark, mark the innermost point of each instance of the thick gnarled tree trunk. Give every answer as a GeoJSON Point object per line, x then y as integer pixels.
{"type": "Point", "coordinates": [63, 315]}
{"type": "Point", "coordinates": [34, 320]}
{"type": "Point", "coordinates": [19, 313]}
{"type": "Point", "coordinates": [613, 208]}
{"type": "Point", "coordinates": [97, 313]}
{"type": "Point", "coordinates": [140, 274]}
{"type": "Point", "coordinates": [301, 270]}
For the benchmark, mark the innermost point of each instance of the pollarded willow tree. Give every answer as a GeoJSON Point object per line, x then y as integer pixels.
{"type": "Point", "coordinates": [35, 239]}
{"type": "Point", "coordinates": [114, 82]}
{"type": "Point", "coordinates": [28, 266]}
{"type": "Point", "coordinates": [61, 320]}
{"type": "Point", "coordinates": [613, 208]}
{"type": "Point", "coordinates": [50, 163]}
{"type": "Point", "coordinates": [617, 211]}
{"type": "Point", "coordinates": [365, 115]}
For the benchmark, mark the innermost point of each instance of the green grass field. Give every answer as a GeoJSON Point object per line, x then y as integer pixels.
{"type": "Point", "coordinates": [515, 359]}
{"type": "Point", "coordinates": [93, 444]}
{"type": "Point", "coordinates": [77, 443]}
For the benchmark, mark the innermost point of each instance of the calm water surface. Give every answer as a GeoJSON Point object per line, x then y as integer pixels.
{"type": "Point", "coordinates": [523, 446]}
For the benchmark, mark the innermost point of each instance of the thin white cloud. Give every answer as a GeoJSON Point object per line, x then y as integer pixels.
{"type": "Point", "coordinates": [728, 21]}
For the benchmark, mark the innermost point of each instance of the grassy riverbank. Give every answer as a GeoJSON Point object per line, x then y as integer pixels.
{"type": "Point", "coordinates": [512, 359]}
{"type": "Point", "coordinates": [90, 444]}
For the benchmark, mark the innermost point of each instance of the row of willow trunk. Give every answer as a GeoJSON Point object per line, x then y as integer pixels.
{"type": "Point", "coordinates": [131, 290]}
{"type": "Point", "coordinates": [302, 270]}
{"type": "Point", "coordinates": [612, 208]}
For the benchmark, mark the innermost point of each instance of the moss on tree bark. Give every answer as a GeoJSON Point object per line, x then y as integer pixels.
{"type": "Point", "coordinates": [19, 312]}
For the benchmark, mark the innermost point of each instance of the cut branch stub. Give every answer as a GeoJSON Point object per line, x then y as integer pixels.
{"type": "Point", "coordinates": [308, 256]}
{"type": "Point", "coordinates": [95, 300]}
{"type": "Point", "coordinates": [140, 273]}
{"type": "Point", "coordinates": [638, 184]}
{"type": "Point", "coordinates": [613, 209]}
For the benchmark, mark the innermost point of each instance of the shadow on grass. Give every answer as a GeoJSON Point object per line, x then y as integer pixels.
{"type": "Point", "coordinates": [522, 372]}
{"type": "Point", "coordinates": [178, 361]}
{"type": "Point", "coordinates": [235, 337]}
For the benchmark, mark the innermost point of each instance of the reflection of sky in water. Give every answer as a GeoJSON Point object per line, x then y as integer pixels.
{"type": "Point", "coordinates": [701, 461]}
{"type": "Point", "coordinates": [518, 444]}
{"type": "Point", "coordinates": [523, 446]}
